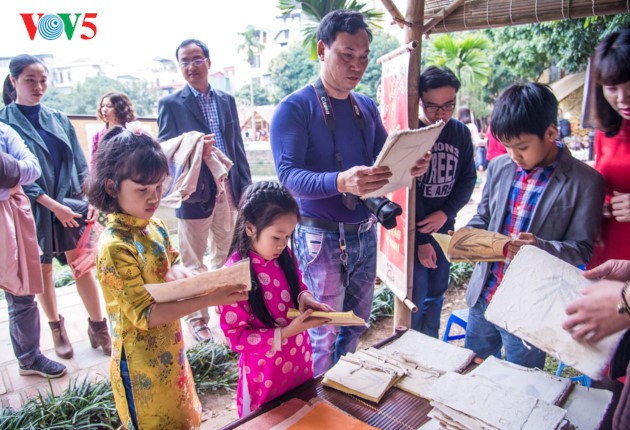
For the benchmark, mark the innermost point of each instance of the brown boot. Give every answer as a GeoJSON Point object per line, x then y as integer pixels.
{"type": "Point", "coordinates": [63, 347]}
{"type": "Point", "coordinates": [99, 335]}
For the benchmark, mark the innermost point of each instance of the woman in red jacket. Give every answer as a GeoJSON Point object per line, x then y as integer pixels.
{"type": "Point", "coordinates": [612, 144]}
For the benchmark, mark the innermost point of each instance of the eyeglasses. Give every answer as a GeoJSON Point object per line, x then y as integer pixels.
{"type": "Point", "coordinates": [196, 62]}
{"type": "Point", "coordinates": [448, 107]}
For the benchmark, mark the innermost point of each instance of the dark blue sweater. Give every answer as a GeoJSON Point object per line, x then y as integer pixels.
{"type": "Point", "coordinates": [450, 180]}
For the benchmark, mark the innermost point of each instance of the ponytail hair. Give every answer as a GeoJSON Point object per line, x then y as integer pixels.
{"type": "Point", "coordinates": [262, 203]}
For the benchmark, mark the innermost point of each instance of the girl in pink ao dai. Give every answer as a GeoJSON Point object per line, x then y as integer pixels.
{"type": "Point", "coordinates": [275, 352]}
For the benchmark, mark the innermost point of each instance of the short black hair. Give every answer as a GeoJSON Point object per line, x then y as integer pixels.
{"type": "Point", "coordinates": [524, 108]}
{"type": "Point", "coordinates": [341, 21]}
{"type": "Point", "coordinates": [199, 43]}
{"type": "Point", "coordinates": [435, 77]}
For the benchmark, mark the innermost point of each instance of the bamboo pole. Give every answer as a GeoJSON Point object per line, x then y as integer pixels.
{"type": "Point", "coordinates": [441, 15]}
{"type": "Point", "coordinates": [413, 33]}
{"type": "Point", "coordinates": [396, 52]}
{"type": "Point", "coordinates": [394, 12]}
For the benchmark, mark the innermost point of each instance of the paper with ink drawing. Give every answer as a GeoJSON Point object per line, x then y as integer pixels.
{"type": "Point", "coordinates": [530, 303]}
{"type": "Point", "coordinates": [400, 152]}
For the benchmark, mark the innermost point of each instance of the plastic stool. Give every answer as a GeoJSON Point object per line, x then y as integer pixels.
{"type": "Point", "coordinates": [459, 317]}
{"type": "Point", "coordinates": [582, 379]}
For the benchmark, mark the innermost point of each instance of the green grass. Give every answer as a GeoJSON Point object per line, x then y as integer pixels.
{"type": "Point", "coordinates": [87, 404]}
{"type": "Point", "coordinates": [84, 405]}
{"type": "Point", "coordinates": [460, 274]}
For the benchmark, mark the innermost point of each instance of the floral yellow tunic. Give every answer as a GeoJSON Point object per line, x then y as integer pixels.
{"type": "Point", "coordinates": [133, 252]}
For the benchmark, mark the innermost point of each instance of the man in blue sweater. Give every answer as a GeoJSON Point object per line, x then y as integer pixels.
{"type": "Point", "coordinates": [324, 138]}
{"type": "Point", "coordinates": [440, 194]}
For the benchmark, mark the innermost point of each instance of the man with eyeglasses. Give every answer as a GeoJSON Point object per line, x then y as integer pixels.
{"type": "Point", "coordinates": [440, 194]}
{"type": "Point", "coordinates": [206, 218]}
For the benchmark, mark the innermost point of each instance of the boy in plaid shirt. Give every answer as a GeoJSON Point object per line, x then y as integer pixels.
{"type": "Point", "coordinates": [537, 194]}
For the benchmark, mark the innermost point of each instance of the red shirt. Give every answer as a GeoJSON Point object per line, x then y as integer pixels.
{"type": "Point", "coordinates": [495, 148]}
{"type": "Point", "coordinates": [612, 160]}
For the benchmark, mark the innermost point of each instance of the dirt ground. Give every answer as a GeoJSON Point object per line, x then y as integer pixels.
{"type": "Point", "coordinates": [220, 408]}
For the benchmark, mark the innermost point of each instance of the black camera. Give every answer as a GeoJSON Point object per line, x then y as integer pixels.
{"type": "Point", "coordinates": [383, 208]}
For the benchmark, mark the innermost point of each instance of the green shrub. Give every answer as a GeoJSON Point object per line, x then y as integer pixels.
{"type": "Point", "coordinates": [213, 366]}
{"type": "Point", "coordinates": [84, 405]}
{"type": "Point", "coordinates": [460, 274]}
{"type": "Point", "coordinates": [383, 304]}
{"type": "Point", "coordinates": [90, 405]}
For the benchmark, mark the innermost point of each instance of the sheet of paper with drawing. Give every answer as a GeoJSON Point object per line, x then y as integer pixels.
{"type": "Point", "coordinates": [401, 151]}
{"type": "Point", "coordinates": [202, 283]}
{"type": "Point", "coordinates": [473, 245]}
{"type": "Point", "coordinates": [531, 301]}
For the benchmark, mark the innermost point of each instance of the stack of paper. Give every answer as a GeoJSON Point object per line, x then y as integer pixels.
{"type": "Point", "coordinates": [336, 318]}
{"type": "Point", "coordinates": [400, 152]}
{"type": "Point", "coordinates": [530, 303]}
{"type": "Point", "coordinates": [321, 415]}
{"type": "Point", "coordinates": [416, 379]}
{"type": "Point", "coordinates": [363, 375]}
{"type": "Point", "coordinates": [475, 402]}
{"type": "Point", "coordinates": [203, 283]}
{"type": "Point", "coordinates": [533, 382]}
{"type": "Point", "coordinates": [429, 353]}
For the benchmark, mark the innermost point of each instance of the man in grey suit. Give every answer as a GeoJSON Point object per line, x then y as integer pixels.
{"type": "Point", "coordinates": [205, 215]}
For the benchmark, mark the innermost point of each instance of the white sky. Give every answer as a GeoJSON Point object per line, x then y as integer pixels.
{"type": "Point", "coordinates": [136, 31]}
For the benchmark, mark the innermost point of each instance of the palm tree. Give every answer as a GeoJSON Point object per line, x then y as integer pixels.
{"type": "Point", "coordinates": [466, 56]}
{"type": "Point", "coordinates": [251, 45]}
{"type": "Point", "coordinates": [314, 10]}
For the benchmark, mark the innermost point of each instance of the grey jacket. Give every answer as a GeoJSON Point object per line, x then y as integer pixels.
{"type": "Point", "coordinates": [73, 170]}
{"type": "Point", "coordinates": [179, 113]}
{"type": "Point", "coordinates": [565, 221]}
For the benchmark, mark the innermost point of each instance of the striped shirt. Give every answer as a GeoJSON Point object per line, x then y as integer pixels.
{"type": "Point", "coordinates": [208, 106]}
{"type": "Point", "coordinates": [525, 192]}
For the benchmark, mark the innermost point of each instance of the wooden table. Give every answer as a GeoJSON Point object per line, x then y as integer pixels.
{"type": "Point", "coordinates": [398, 410]}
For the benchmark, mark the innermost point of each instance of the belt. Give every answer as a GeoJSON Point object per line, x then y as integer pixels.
{"type": "Point", "coordinates": [329, 225]}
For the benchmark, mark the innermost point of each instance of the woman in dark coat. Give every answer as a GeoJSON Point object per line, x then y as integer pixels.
{"type": "Point", "coordinates": [59, 209]}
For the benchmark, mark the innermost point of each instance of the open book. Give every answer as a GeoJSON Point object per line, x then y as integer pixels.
{"type": "Point", "coordinates": [336, 318]}
{"type": "Point", "coordinates": [202, 283]}
{"type": "Point", "coordinates": [401, 151]}
{"type": "Point", "coordinates": [472, 245]}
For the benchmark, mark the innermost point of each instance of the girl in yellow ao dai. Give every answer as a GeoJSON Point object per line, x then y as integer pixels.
{"type": "Point", "coordinates": [151, 378]}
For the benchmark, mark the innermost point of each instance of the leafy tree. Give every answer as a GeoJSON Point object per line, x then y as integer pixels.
{"type": "Point", "coordinates": [466, 55]}
{"type": "Point", "coordinates": [261, 95]}
{"type": "Point", "coordinates": [290, 70]}
{"type": "Point", "coordinates": [530, 49]}
{"type": "Point", "coordinates": [314, 10]}
{"type": "Point", "coordinates": [84, 97]}
{"type": "Point", "coordinates": [381, 45]}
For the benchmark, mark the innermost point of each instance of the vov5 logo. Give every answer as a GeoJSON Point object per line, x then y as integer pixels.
{"type": "Point", "coordinates": [50, 26]}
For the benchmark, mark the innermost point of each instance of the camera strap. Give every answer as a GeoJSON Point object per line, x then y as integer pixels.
{"type": "Point", "coordinates": [331, 123]}
{"type": "Point", "coordinates": [329, 116]}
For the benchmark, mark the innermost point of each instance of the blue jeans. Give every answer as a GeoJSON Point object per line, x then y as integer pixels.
{"type": "Point", "coordinates": [319, 256]}
{"type": "Point", "coordinates": [23, 327]}
{"type": "Point", "coordinates": [486, 339]}
{"type": "Point", "coordinates": [429, 286]}
{"type": "Point", "coordinates": [480, 158]}
{"type": "Point", "coordinates": [126, 378]}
